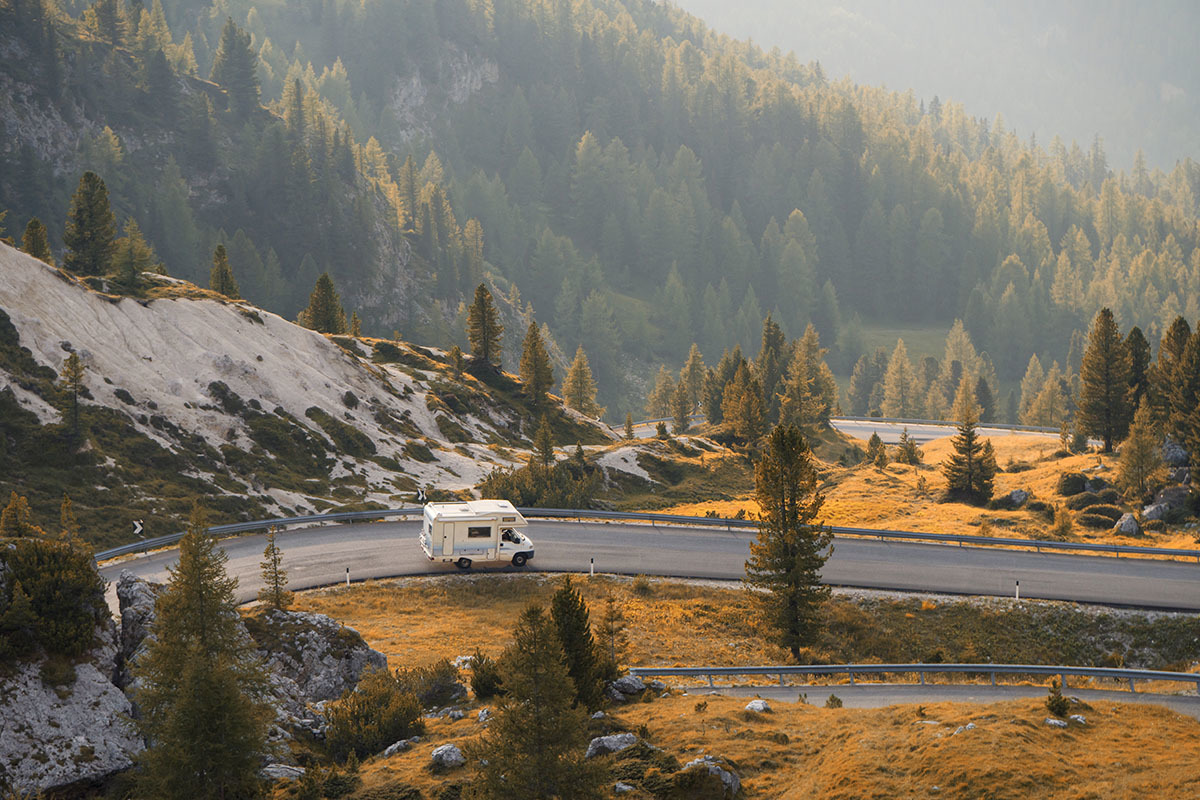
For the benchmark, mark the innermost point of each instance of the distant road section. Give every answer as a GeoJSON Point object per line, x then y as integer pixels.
{"type": "Point", "coordinates": [321, 556]}
{"type": "Point", "coordinates": [889, 430]}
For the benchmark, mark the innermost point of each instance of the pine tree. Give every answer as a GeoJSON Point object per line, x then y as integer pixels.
{"type": "Point", "coordinates": [579, 390]}
{"type": "Point", "coordinates": [15, 519]}
{"type": "Point", "coordinates": [1031, 385]}
{"type": "Point", "coordinates": [971, 468]}
{"type": "Point", "coordinates": [692, 374]}
{"type": "Point", "coordinates": [274, 592]}
{"type": "Point", "coordinates": [537, 373]}
{"type": "Point", "coordinates": [68, 525]}
{"type": "Point", "coordinates": [1140, 470]}
{"type": "Point", "coordinates": [1183, 399]}
{"type": "Point", "coordinates": [612, 639]}
{"type": "Point", "coordinates": [810, 391]}
{"type": "Point", "coordinates": [200, 698]}
{"type": "Point", "coordinates": [659, 403]}
{"type": "Point", "coordinates": [907, 452]}
{"type": "Point", "coordinates": [1165, 372]}
{"type": "Point", "coordinates": [570, 615]}
{"type": "Point", "coordinates": [791, 549]}
{"type": "Point", "coordinates": [324, 313]}
{"type": "Point", "coordinates": [1139, 365]}
{"type": "Point", "coordinates": [987, 401]}
{"type": "Point", "coordinates": [901, 390]}
{"type": "Point", "coordinates": [70, 383]}
{"type": "Point", "coordinates": [235, 69]}
{"type": "Point", "coordinates": [91, 228]}
{"type": "Point", "coordinates": [862, 382]}
{"type": "Point", "coordinates": [543, 444]}
{"type": "Point", "coordinates": [36, 241]}
{"type": "Point", "coordinates": [484, 330]}
{"type": "Point", "coordinates": [742, 406]}
{"type": "Point", "coordinates": [874, 447]}
{"type": "Point", "coordinates": [220, 278]}
{"type": "Point", "coordinates": [132, 255]}
{"type": "Point", "coordinates": [629, 426]}
{"type": "Point", "coordinates": [1104, 393]}
{"type": "Point", "coordinates": [18, 625]}
{"type": "Point", "coordinates": [355, 325]}
{"type": "Point", "coordinates": [681, 408]}
{"type": "Point", "coordinates": [533, 747]}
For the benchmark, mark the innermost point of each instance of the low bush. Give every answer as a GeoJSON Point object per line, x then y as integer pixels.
{"type": "Point", "coordinates": [435, 685]}
{"type": "Point", "coordinates": [378, 712]}
{"type": "Point", "coordinates": [1056, 704]}
{"type": "Point", "coordinates": [1095, 522]}
{"type": "Point", "coordinates": [1103, 509]}
{"type": "Point", "coordinates": [1082, 500]}
{"type": "Point", "coordinates": [485, 676]}
{"type": "Point", "coordinates": [1071, 483]}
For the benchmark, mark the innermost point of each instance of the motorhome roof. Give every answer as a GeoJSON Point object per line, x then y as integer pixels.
{"type": "Point", "coordinates": [472, 509]}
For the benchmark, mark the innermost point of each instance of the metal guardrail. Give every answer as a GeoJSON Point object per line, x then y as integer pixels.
{"type": "Point", "coordinates": [947, 423]}
{"type": "Point", "coordinates": [665, 519]}
{"type": "Point", "coordinates": [1108, 673]}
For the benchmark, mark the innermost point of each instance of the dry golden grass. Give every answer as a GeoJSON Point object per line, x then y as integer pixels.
{"type": "Point", "coordinates": [863, 496]}
{"type": "Point", "coordinates": [801, 752]}
{"type": "Point", "coordinates": [844, 754]}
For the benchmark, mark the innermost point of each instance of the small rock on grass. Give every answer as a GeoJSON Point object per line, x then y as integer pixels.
{"type": "Point", "coordinates": [1055, 723]}
{"type": "Point", "coordinates": [448, 756]}
{"type": "Point", "coordinates": [759, 706]}
{"type": "Point", "coordinates": [613, 743]}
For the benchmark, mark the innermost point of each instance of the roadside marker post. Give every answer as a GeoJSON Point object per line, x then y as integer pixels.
{"type": "Point", "coordinates": [347, 576]}
{"type": "Point", "coordinates": [592, 568]}
{"type": "Point", "coordinates": [1018, 590]}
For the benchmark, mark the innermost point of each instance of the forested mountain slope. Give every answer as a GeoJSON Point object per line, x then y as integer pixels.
{"type": "Point", "coordinates": [641, 181]}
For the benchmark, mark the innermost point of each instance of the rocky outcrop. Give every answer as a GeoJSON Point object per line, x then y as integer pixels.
{"type": "Point", "coordinates": [447, 756]}
{"type": "Point", "coordinates": [613, 743]}
{"type": "Point", "coordinates": [135, 598]}
{"type": "Point", "coordinates": [1128, 525]}
{"type": "Point", "coordinates": [1174, 454]}
{"type": "Point", "coordinates": [57, 736]}
{"type": "Point", "coordinates": [718, 773]}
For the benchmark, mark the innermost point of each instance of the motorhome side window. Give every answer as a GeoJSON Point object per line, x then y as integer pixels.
{"type": "Point", "coordinates": [479, 532]}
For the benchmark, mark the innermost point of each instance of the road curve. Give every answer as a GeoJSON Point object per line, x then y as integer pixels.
{"type": "Point", "coordinates": [321, 556]}
{"type": "Point", "coordinates": [922, 432]}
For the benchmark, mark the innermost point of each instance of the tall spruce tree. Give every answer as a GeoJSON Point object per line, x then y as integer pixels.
{"type": "Point", "coordinates": [570, 615]}
{"type": "Point", "coordinates": [537, 373]}
{"type": "Point", "coordinates": [235, 69]}
{"type": "Point", "coordinates": [971, 467]}
{"type": "Point", "coordinates": [1183, 399]}
{"type": "Point", "coordinates": [484, 330]}
{"type": "Point", "coordinates": [543, 444]}
{"type": "Point", "coordinates": [791, 548]}
{"type": "Point", "coordinates": [902, 395]}
{"type": "Point", "coordinates": [220, 278]}
{"type": "Point", "coordinates": [681, 407]}
{"type": "Point", "coordinates": [579, 390]}
{"type": "Point", "coordinates": [658, 404]}
{"type": "Point", "coordinates": [324, 312]}
{"type": "Point", "coordinates": [132, 255]}
{"type": "Point", "coordinates": [628, 425]}
{"type": "Point", "coordinates": [201, 685]}
{"type": "Point", "coordinates": [1104, 409]}
{"type": "Point", "coordinates": [1139, 365]}
{"type": "Point", "coordinates": [693, 373]}
{"type": "Point", "coordinates": [810, 391]}
{"type": "Point", "coordinates": [1165, 372]}
{"type": "Point", "coordinates": [533, 748]}
{"type": "Point", "coordinates": [36, 241]}
{"type": "Point", "coordinates": [91, 228]}
{"type": "Point", "coordinates": [987, 401]}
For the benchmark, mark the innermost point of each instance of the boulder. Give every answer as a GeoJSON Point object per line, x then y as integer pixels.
{"type": "Point", "coordinates": [1055, 723]}
{"type": "Point", "coordinates": [135, 600]}
{"type": "Point", "coordinates": [57, 736]}
{"type": "Point", "coordinates": [629, 684]}
{"type": "Point", "coordinates": [622, 787]}
{"type": "Point", "coordinates": [598, 715]}
{"type": "Point", "coordinates": [613, 743]}
{"type": "Point", "coordinates": [1017, 498]}
{"type": "Point", "coordinates": [1128, 525]}
{"type": "Point", "coordinates": [484, 715]}
{"type": "Point", "coordinates": [400, 746]}
{"type": "Point", "coordinates": [281, 772]}
{"type": "Point", "coordinates": [1173, 497]}
{"type": "Point", "coordinates": [759, 706]}
{"type": "Point", "coordinates": [1174, 454]}
{"type": "Point", "coordinates": [1079, 718]}
{"type": "Point", "coordinates": [718, 769]}
{"type": "Point", "coordinates": [447, 756]}
{"type": "Point", "coordinates": [1155, 511]}
{"type": "Point", "coordinates": [613, 694]}
{"type": "Point", "coordinates": [657, 686]}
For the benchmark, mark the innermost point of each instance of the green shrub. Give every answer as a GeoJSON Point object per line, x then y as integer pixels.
{"type": "Point", "coordinates": [1114, 513]}
{"type": "Point", "coordinates": [1082, 500]}
{"type": "Point", "coordinates": [833, 702]}
{"type": "Point", "coordinates": [65, 597]}
{"type": "Point", "coordinates": [1058, 705]}
{"type": "Point", "coordinates": [418, 451]}
{"type": "Point", "coordinates": [349, 440]}
{"type": "Point", "coordinates": [641, 586]}
{"type": "Point", "coordinates": [375, 714]}
{"type": "Point", "coordinates": [485, 676]}
{"type": "Point", "coordinates": [1095, 522]}
{"type": "Point", "coordinates": [1071, 483]}
{"type": "Point", "coordinates": [435, 685]}
{"type": "Point", "coordinates": [1109, 496]}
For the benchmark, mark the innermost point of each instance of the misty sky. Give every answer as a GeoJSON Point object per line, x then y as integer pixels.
{"type": "Point", "coordinates": [1128, 71]}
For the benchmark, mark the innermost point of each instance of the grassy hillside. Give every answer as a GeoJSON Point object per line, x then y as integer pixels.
{"type": "Point", "coordinates": [803, 750]}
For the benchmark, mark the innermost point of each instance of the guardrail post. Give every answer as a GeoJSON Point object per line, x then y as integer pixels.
{"type": "Point", "coordinates": [1131, 689]}
{"type": "Point", "coordinates": [922, 675]}
{"type": "Point", "coordinates": [710, 682]}
{"type": "Point", "coordinates": [1063, 684]}
{"type": "Point", "coordinates": [851, 674]}
{"type": "Point", "coordinates": [993, 678]}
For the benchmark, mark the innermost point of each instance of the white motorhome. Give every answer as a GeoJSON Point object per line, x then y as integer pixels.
{"type": "Point", "coordinates": [478, 530]}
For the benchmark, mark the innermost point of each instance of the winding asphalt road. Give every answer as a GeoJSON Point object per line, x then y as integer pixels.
{"type": "Point", "coordinates": [321, 556]}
